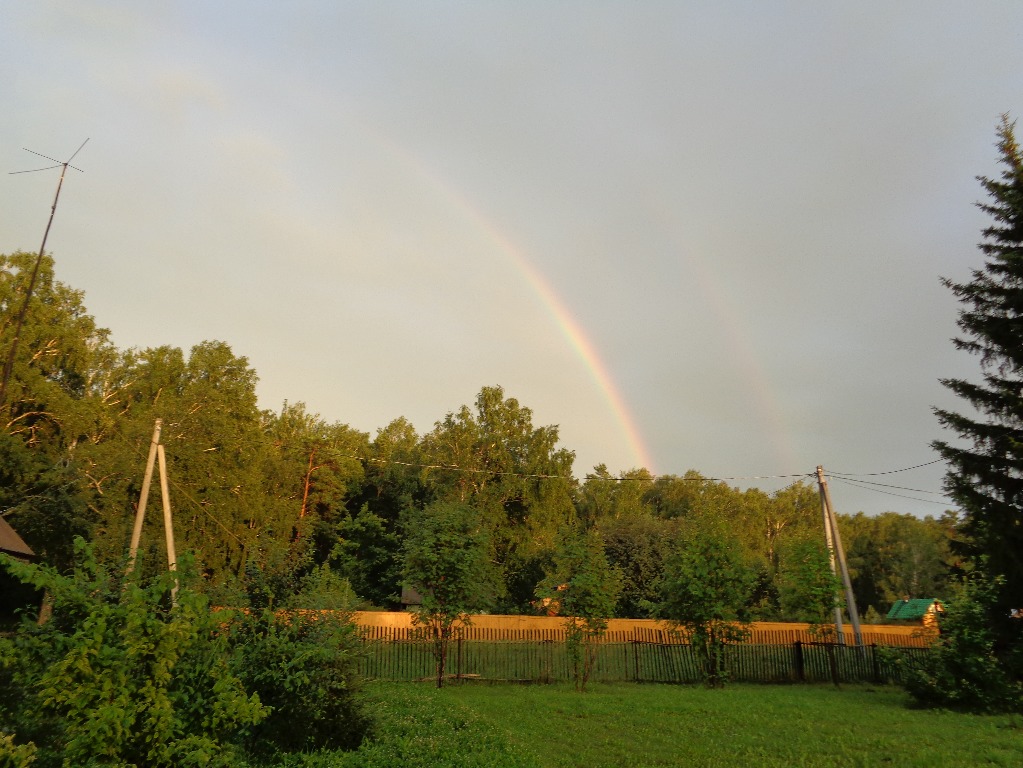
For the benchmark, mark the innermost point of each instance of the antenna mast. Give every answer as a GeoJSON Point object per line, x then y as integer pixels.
{"type": "Point", "coordinates": [9, 363]}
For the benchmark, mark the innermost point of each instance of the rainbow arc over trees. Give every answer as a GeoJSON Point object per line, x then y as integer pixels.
{"type": "Point", "coordinates": [570, 328]}
{"type": "Point", "coordinates": [579, 341]}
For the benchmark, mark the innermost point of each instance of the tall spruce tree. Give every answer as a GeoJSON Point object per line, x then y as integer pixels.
{"type": "Point", "coordinates": [985, 475]}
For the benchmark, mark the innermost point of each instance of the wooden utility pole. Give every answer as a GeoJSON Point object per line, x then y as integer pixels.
{"type": "Point", "coordinates": [168, 523]}
{"type": "Point", "coordinates": [835, 538]}
{"type": "Point", "coordinates": [140, 513]}
{"type": "Point", "coordinates": [155, 453]}
{"type": "Point", "coordinates": [830, 543]}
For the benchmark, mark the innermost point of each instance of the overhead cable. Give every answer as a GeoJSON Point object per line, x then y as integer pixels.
{"type": "Point", "coordinates": [833, 473]}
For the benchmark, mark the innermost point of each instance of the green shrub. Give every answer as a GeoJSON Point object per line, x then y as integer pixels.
{"type": "Point", "coordinates": [585, 588]}
{"type": "Point", "coordinates": [303, 664]}
{"type": "Point", "coordinates": [121, 676]}
{"type": "Point", "coordinates": [962, 670]}
{"type": "Point", "coordinates": [704, 590]}
{"type": "Point", "coordinates": [15, 755]}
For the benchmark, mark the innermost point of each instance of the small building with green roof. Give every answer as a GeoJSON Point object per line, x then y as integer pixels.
{"type": "Point", "coordinates": [923, 609]}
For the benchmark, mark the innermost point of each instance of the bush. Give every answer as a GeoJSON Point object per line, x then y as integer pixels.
{"type": "Point", "coordinates": [297, 648]}
{"type": "Point", "coordinates": [120, 676]}
{"type": "Point", "coordinates": [962, 670]}
{"type": "Point", "coordinates": [303, 664]}
{"type": "Point", "coordinates": [15, 755]}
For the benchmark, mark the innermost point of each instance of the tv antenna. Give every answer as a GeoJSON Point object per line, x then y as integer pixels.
{"type": "Point", "coordinates": [63, 165]}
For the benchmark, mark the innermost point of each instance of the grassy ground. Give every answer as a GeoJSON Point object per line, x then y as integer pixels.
{"type": "Point", "coordinates": [657, 725]}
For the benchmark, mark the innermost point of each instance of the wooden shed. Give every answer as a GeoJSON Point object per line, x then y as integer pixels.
{"type": "Point", "coordinates": [925, 610]}
{"type": "Point", "coordinates": [12, 544]}
{"type": "Point", "coordinates": [13, 594]}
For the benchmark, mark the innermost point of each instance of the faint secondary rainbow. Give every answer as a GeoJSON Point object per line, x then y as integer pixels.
{"type": "Point", "coordinates": [744, 356]}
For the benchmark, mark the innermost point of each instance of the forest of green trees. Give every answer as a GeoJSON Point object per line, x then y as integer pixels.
{"type": "Point", "coordinates": [278, 493]}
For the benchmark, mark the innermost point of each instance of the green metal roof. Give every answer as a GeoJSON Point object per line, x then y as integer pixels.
{"type": "Point", "coordinates": [912, 609]}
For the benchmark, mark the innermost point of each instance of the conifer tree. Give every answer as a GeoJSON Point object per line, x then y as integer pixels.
{"type": "Point", "coordinates": [985, 475]}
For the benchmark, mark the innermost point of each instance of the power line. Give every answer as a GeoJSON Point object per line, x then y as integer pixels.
{"type": "Point", "coordinates": [542, 476]}
{"type": "Point", "coordinates": [833, 473]}
{"type": "Point", "coordinates": [889, 493]}
{"type": "Point", "coordinates": [865, 483]}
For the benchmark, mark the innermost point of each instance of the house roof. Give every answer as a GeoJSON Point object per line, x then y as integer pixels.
{"type": "Point", "coordinates": [912, 609]}
{"type": "Point", "coordinates": [11, 543]}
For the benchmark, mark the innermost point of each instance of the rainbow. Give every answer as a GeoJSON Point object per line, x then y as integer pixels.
{"type": "Point", "coordinates": [570, 329]}
{"type": "Point", "coordinates": [577, 338]}
{"type": "Point", "coordinates": [747, 360]}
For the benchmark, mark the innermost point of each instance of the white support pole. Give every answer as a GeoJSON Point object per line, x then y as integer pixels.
{"type": "Point", "coordinates": [140, 514]}
{"type": "Point", "coordinates": [168, 525]}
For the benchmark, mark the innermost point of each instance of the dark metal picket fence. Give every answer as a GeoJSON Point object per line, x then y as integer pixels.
{"type": "Point", "coordinates": [546, 660]}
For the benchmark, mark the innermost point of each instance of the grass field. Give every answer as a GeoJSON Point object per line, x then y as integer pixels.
{"type": "Point", "coordinates": [658, 725]}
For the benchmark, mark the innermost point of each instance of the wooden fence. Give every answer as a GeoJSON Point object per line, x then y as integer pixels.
{"type": "Point", "coordinates": [399, 627]}
{"type": "Point", "coordinates": [545, 659]}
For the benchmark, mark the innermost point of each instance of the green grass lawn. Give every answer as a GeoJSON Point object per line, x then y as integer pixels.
{"type": "Point", "coordinates": [658, 725]}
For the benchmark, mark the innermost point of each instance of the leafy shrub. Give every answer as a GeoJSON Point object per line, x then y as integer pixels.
{"type": "Point", "coordinates": [962, 670]}
{"type": "Point", "coordinates": [119, 676]}
{"type": "Point", "coordinates": [303, 664]}
{"type": "Point", "coordinates": [585, 588]}
{"type": "Point", "coordinates": [298, 650]}
{"type": "Point", "coordinates": [15, 755]}
{"type": "Point", "coordinates": [445, 557]}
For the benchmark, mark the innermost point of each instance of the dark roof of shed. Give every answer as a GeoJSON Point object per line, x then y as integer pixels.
{"type": "Point", "coordinates": [11, 543]}
{"type": "Point", "coordinates": [912, 609]}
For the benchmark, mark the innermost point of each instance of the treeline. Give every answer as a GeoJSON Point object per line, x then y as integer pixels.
{"type": "Point", "coordinates": [269, 496]}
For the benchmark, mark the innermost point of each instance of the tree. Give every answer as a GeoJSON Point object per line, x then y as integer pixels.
{"type": "Point", "coordinates": [215, 446]}
{"type": "Point", "coordinates": [585, 588]}
{"type": "Point", "coordinates": [445, 559]}
{"type": "Point", "coordinates": [635, 546]}
{"type": "Point", "coordinates": [516, 478]}
{"type": "Point", "coordinates": [985, 474]}
{"type": "Point", "coordinates": [962, 669]}
{"type": "Point", "coordinates": [809, 588]}
{"type": "Point", "coordinates": [604, 497]}
{"type": "Point", "coordinates": [893, 556]}
{"type": "Point", "coordinates": [692, 497]}
{"type": "Point", "coordinates": [704, 591]}
{"type": "Point", "coordinates": [810, 592]}
{"type": "Point", "coordinates": [55, 400]}
{"type": "Point", "coordinates": [366, 553]}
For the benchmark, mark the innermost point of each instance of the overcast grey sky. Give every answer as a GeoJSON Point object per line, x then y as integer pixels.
{"type": "Point", "coordinates": [694, 235]}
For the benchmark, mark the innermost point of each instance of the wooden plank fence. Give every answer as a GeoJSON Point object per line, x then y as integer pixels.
{"type": "Point", "coordinates": [643, 633]}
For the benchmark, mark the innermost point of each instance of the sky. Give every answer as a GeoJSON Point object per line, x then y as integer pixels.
{"type": "Point", "coordinates": [699, 236]}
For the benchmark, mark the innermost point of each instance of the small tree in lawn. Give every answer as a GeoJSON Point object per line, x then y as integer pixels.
{"type": "Point", "coordinates": [585, 588]}
{"type": "Point", "coordinates": [809, 588]}
{"type": "Point", "coordinates": [446, 559]}
{"type": "Point", "coordinates": [704, 592]}
{"type": "Point", "coordinates": [809, 592]}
